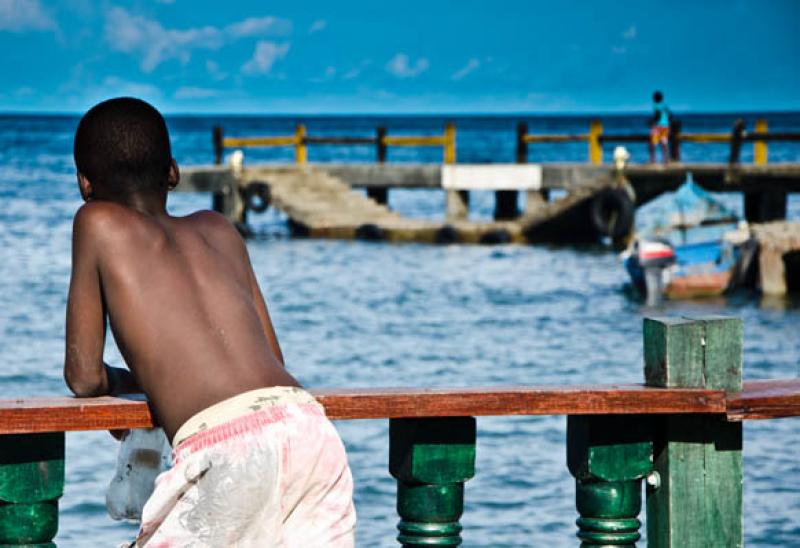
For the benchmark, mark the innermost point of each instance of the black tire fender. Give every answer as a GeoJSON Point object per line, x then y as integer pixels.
{"type": "Point", "coordinates": [612, 212]}
{"type": "Point", "coordinates": [257, 197]}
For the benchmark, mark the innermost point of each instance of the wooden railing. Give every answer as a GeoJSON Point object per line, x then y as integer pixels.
{"type": "Point", "coordinates": [300, 142]}
{"type": "Point", "coordinates": [680, 432]}
{"type": "Point", "coordinates": [596, 138]}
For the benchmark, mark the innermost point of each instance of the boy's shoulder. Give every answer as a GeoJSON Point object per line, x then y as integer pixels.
{"type": "Point", "coordinates": [105, 224]}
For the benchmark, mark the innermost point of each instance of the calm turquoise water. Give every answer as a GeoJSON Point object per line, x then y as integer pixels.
{"type": "Point", "coordinates": [352, 314]}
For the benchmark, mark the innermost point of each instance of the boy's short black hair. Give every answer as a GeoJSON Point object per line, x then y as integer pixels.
{"type": "Point", "coordinates": [658, 96]}
{"type": "Point", "coordinates": [123, 144]}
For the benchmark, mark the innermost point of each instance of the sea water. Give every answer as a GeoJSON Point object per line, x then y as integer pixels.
{"type": "Point", "coordinates": [355, 314]}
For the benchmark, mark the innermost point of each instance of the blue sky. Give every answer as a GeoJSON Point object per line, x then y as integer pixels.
{"type": "Point", "coordinates": [434, 56]}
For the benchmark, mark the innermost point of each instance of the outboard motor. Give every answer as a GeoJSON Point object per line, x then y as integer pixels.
{"type": "Point", "coordinates": [654, 259]}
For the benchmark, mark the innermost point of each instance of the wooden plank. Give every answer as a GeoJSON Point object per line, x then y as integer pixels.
{"type": "Point", "coordinates": [30, 415]}
{"type": "Point", "coordinates": [698, 458]}
{"type": "Point", "coordinates": [242, 142]}
{"type": "Point", "coordinates": [758, 400]}
{"type": "Point", "coordinates": [767, 399]}
{"type": "Point", "coordinates": [414, 141]}
{"type": "Point", "coordinates": [563, 138]}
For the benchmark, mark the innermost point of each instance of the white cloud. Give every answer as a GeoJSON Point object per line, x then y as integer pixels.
{"type": "Point", "coordinates": [191, 92]}
{"type": "Point", "coordinates": [113, 86]}
{"type": "Point", "coordinates": [471, 66]}
{"type": "Point", "coordinates": [317, 26]}
{"type": "Point", "coordinates": [264, 56]}
{"type": "Point", "coordinates": [357, 70]}
{"type": "Point", "coordinates": [619, 50]}
{"type": "Point", "coordinates": [258, 26]}
{"type": "Point", "coordinates": [400, 66]}
{"type": "Point", "coordinates": [630, 33]}
{"type": "Point", "coordinates": [214, 70]}
{"type": "Point", "coordinates": [24, 15]}
{"type": "Point", "coordinates": [155, 44]}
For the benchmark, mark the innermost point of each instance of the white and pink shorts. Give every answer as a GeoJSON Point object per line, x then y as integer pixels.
{"type": "Point", "coordinates": [264, 468]}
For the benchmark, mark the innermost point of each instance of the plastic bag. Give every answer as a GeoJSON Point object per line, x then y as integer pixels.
{"type": "Point", "coordinates": [143, 455]}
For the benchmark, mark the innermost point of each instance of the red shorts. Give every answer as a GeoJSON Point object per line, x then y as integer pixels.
{"type": "Point", "coordinates": [659, 134]}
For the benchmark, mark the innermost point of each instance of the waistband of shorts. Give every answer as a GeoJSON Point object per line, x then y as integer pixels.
{"type": "Point", "coordinates": [246, 403]}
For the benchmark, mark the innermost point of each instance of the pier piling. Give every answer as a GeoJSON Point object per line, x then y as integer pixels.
{"type": "Point", "coordinates": [380, 194]}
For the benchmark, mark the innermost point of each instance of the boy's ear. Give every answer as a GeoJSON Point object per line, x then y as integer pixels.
{"type": "Point", "coordinates": [174, 176]}
{"type": "Point", "coordinates": [85, 186]}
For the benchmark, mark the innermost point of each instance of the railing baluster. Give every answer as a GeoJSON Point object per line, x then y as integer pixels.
{"type": "Point", "coordinates": [31, 482]}
{"type": "Point", "coordinates": [608, 456]}
{"type": "Point", "coordinates": [431, 459]}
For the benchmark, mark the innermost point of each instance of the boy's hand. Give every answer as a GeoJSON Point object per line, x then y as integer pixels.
{"type": "Point", "coordinates": [119, 435]}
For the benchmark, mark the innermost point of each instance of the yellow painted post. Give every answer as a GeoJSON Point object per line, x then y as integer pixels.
{"type": "Point", "coordinates": [456, 201]}
{"type": "Point", "coordinates": [595, 148]}
{"type": "Point", "coordinates": [760, 147]}
{"type": "Point", "coordinates": [449, 143]}
{"type": "Point", "coordinates": [300, 147]}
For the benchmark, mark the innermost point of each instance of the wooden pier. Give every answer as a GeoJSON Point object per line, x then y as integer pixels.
{"type": "Point", "coordinates": [339, 214]}
{"type": "Point", "coordinates": [680, 434]}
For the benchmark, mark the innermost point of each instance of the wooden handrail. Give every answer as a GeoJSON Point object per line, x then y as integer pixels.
{"type": "Point", "coordinates": [758, 400]}
{"type": "Point", "coordinates": [769, 399]}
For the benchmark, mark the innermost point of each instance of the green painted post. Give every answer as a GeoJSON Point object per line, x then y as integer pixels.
{"type": "Point", "coordinates": [431, 459]}
{"type": "Point", "coordinates": [698, 498]}
{"type": "Point", "coordinates": [608, 456]}
{"type": "Point", "coordinates": [31, 482]}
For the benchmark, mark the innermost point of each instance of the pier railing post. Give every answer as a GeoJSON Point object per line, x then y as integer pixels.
{"type": "Point", "coordinates": [760, 147]}
{"type": "Point", "coordinates": [737, 137]}
{"type": "Point", "coordinates": [217, 141]}
{"type": "Point", "coordinates": [431, 458]}
{"type": "Point", "coordinates": [449, 143]}
{"type": "Point", "coordinates": [505, 201]}
{"type": "Point", "coordinates": [31, 482]}
{"type": "Point", "coordinates": [595, 148]}
{"type": "Point", "coordinates": [534, 198]}
{"type": "Point", "coordinates": [675, 130]}
{"type": "Point", "coordinates": [608, 456]}
{"type": "Point", "coordinates": [300, 146]}
{"type": "Point", "coordinates": [456, 201]}
{"type": "Point", "coordinates": [379, 194]}
{"type": "Point", "coordinates": [697, 500]}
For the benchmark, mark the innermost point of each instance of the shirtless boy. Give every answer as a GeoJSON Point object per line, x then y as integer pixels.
{"type": "Point", "coordinates": [256, 462]}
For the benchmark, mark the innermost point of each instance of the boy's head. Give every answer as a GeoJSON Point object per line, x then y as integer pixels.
{"type": "Point", "coordinates": [122, 147]}
{"type": "Point", "coordinates": [658, 97]}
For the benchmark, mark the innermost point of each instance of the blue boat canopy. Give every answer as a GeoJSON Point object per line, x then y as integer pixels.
{"type": "Point", "coordinates": [688, 215]}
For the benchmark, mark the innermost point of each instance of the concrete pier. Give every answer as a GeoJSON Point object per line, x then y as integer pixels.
{"type": "Point", "coordinates": [341, 213]}
{"type": "Point", "coordinates": [778, 257]}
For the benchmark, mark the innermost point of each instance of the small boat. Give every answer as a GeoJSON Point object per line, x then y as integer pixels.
{"type": "Point", "coordinates": [691, 246]}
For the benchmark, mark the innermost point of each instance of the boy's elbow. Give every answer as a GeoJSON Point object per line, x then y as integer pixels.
{"type": "Point", "coordinates": [85, 386]}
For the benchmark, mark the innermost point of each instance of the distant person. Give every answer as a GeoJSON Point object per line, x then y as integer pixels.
{"type": "Point", "coordinates": [659, 128]}
{"type": "Point", "coordinates": [256, 462]}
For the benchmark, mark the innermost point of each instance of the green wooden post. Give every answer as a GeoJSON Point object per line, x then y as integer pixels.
{"type": "Point", "coordinates": [31, 482]}
{"type": "Point", "coordinates": [698, 499]}
{"type": "Point", "coordinates": [608, 456]}
{"type": "Point", "coordinates": [431, 459]}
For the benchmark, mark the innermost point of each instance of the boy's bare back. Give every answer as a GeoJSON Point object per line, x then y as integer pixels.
{"type": "Point", "coordinates": [182, 302]}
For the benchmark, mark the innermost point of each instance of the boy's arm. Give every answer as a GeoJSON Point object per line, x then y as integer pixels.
{"type": "Point", "coordinates": [84, 370]}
